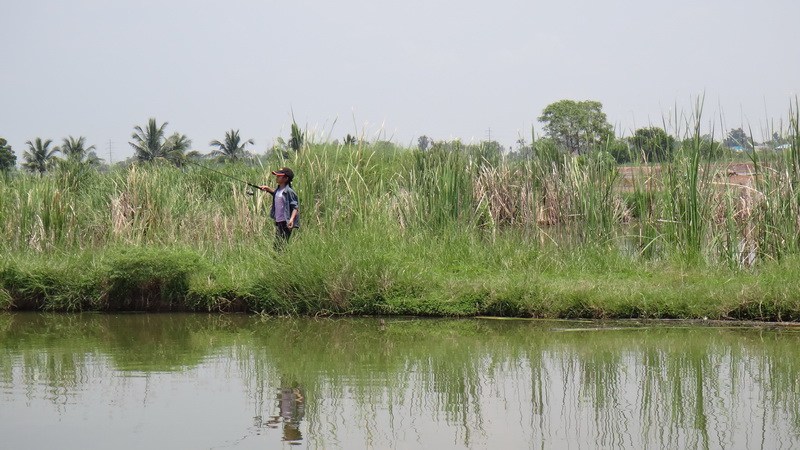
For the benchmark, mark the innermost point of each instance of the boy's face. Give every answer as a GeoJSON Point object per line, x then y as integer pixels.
{"type": "Point", "coordinates": [281, 179]}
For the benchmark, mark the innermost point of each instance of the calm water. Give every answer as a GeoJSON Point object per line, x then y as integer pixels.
{"type": "Point", "coordinates": [243, 382]}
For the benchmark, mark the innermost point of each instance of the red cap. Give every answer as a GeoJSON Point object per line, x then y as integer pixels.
{"type": "Point", "coordinates": [284, 171]}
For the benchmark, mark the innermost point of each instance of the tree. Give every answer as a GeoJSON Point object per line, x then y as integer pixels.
{"type": "Point", "coordinates": [233, 148]}
{"type": "Point", "coordinates": [424, 143]}
{"type": "Point", "coordinates": [653, 144]}
{"type": "Point", "coordinates": [176, 147]}
{"type": "Point", "coordinates": [7, 157]}
{"type": "Point", "coordinates": [577, 127]}
{"type": "Point", "coordinates": [76, 151]}
{"type": "Point", "coordinates": [148, 142]}
{"type": "Point", "coordinates": [39, 156]}
{"type": "Point", "coordinates": [622, 151]}
{"type": "Point", "coordinates": [350, 140]}
{"type": "Point", "coordinates": [739, 140]}
{"type": "Point", "coordinates": [151, 144]}
{"type": "Point", "coordinates": [194, 155]}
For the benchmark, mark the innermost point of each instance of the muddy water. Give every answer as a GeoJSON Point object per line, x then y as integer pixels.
{"type": "Point", "coordinates": [244, 382]}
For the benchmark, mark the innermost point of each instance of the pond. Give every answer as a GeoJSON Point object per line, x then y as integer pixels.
{"type": "Point", "coordinates": [189, 381]}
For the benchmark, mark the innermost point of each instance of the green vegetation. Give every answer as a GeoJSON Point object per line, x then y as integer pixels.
{"type": "Point", "coordinates": [232, 149]}
{"type": "Point", "coordinates": [578, 127]}
{"type": "Point", "coordinates": [7, 157]}
{"type": "Point", "coordinates": [152, 144]}
{"type": "Point", "coordinates": [441, 229]}
{"type": "Point", "coordinates": [39, 156]}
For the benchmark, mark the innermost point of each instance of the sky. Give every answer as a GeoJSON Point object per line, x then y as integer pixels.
{"type": "Point", "coordinates": [388, 69]}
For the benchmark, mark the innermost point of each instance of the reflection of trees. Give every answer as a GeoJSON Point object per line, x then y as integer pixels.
{"type": "Point", "coordinates": [657, 385]}
{"type": "Point", "coordinates": [62, 349]}
{"type": "Point", "coordinates": [661, 387]}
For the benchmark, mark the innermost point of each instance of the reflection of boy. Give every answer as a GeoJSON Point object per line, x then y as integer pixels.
{"type": "Point", "coordinates": [292, 405]}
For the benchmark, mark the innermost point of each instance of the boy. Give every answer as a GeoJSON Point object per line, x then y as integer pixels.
{"type": "Point", "coordinates": [285, 205]}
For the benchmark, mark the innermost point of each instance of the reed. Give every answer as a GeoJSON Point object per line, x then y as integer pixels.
{"type": "Point", "coordinates": [385, 226]}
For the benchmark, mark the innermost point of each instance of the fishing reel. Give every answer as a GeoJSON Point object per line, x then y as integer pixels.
{"type": "Point", "coordinates": [250, 192]}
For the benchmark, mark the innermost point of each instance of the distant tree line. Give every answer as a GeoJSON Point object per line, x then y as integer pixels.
{"type": "Point", "coordinates": [577, 128]}
{"type": "Point", "coordinates": [580, 128]}
{"type": "Point", "coordinates": [40, 156]}
{"type": "Point", "coordinates": [150, 143]}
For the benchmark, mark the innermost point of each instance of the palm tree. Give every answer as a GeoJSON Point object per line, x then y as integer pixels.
{"type": "Point", "coordinates": [39, 156]}
{"type": "Point", "coordinates": [175, 147]}
{"type": "Point", "coordinates": [194, 155]}
{"type": "Point", "coordinates": [151, 143]}
{"type": "Point", "coordinates": [148, 143]}
{"type": "Point", "coordinates": [75, 151]}
{"type": "Point", "coordinates": [231, 149]}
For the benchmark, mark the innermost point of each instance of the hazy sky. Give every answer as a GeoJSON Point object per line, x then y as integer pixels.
{"type": "Point", "coordinates": [390, 69]}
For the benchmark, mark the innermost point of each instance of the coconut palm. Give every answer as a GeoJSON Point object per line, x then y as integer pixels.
{"type": "Point", "coordinates": [148, 143]}
{"type": "Point", "coordinates": [232, 149]}
{"type": "Point", "coordinates": [39, 156]}
{"type": "Point", "coordinates": [151, 144]}
{"type": "Point", "coordinates": [175, 147]}
{"type": "Point", "coordinates": [194, 155]}
{"type": "Point", "coordinates": [75, 150]}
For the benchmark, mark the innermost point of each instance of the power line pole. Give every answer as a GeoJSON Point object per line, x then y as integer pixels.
{"type": "Point", "coordinates": [110, 147]}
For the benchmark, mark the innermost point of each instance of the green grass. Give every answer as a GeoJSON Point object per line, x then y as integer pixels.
{"type": "Point", "coordinates": [323, 275]}
{"type": "Point", "coordinates": [388, 230]}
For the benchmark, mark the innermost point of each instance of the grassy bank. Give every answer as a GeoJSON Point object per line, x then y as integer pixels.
{"type": "Point", "coordinates": [451, 230]}
{"type": "Point", "coordinates": [450, 274]}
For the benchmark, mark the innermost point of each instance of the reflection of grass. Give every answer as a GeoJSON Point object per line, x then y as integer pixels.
{"type": "Point", "coordinates": [657, 385]}
{"type": "Point", "coordinates": [139, 342]}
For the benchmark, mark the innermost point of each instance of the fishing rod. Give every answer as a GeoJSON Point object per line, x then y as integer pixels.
{"type": "Point", "coordinates": [226, 175]}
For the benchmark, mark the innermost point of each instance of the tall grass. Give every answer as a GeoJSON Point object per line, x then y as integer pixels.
{"type": "Point", "coordinates": [686, 209]}
{"type": "Point", "coordinates": [382, 222]}
{"type": "Point", "coordinates": [686, 205]}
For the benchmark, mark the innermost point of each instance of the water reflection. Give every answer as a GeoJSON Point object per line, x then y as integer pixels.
{"type": "Point", "coordinates": [292, 405]}
{"type": "Point", "coordinates": [247, 382]}
{"type": "Point", "coordinates": [290, 411]}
